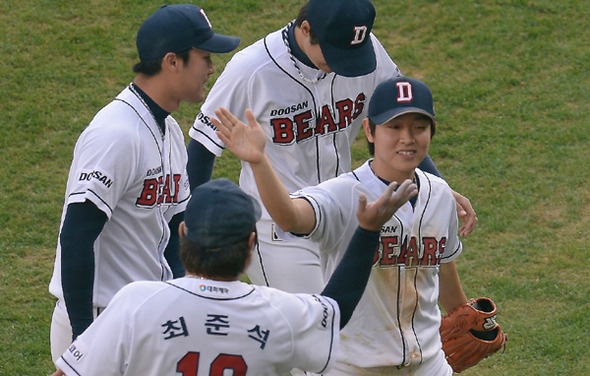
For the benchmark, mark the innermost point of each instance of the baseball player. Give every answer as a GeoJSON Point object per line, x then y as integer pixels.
{"type": "Point", "coordinates": [395, 328]}
{"type": "Point", "coordinates": [210, 323]}
{"type": "Point", "coordinates": [309, 85]}
{"type": "Point", "coordinates": [127, 186]}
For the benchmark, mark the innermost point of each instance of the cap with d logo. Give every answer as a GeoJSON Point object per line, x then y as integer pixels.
{"type": "Point", "coordinates": [343, 28]}
{"type": "Point", "coordinates": [398, 96]}
{"type": "Point", "coordinates": [179, 27]}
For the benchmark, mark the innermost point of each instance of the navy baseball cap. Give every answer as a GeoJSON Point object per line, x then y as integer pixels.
{"type": "Point", "coordinates": [399, 96]}
{"type": "Point", "coordinates": [219, 213]}
{"type": "Point", "coordinates": [343, 28]}
{"type": "Point", "coordinates": [178, 27]}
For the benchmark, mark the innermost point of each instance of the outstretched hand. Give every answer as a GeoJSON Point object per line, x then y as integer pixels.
{"type": "Point", "coordinates": [245, 141]}
{"type": "Point", "coordinates": [372, 216]}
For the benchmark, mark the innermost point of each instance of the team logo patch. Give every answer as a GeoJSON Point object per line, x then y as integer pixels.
{"type": "Point", "coordinates": [213, 289]}
{"type": "Point", "coordinates": [490, 323]}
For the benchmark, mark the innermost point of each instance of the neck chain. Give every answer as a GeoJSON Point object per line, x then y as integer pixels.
{"type": "Point", "coordinates": [134, 90]}
{"type": "Point", "coordinates": [285, 34]}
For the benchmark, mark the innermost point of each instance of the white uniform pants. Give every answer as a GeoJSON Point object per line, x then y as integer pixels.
{"type": "Point", "coordinates": [291, 265]}
{"type": "Point", "coordinates": [435, 366]}
{"type": "Point", "coordinates": [60, 335]}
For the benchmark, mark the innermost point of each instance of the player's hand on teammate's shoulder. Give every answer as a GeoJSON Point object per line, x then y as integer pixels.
{"type": "Point", "coordinates": [372, 216]}
{"type": "Point", "coordinates": [247, 142]}
{"type": "Point", "coordinates": [466, 214]}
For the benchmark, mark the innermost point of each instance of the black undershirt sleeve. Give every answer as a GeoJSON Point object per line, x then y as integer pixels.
{"type": "Point", "coordinates": [172, 251]}
{"type": "Point", "coordinates": [82, 225]}
{"type": "Point", "coordinates": [348, 282]}
{"type": "Point", "coordinates": [200, 164]}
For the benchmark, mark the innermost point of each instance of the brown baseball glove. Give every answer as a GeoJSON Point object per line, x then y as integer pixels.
{"type": "Point", "coordinates": [470, 333]}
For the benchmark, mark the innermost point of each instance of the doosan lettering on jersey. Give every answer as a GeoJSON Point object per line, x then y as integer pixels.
{"type": "Point", "coordinates": [290, 109]}
{"type": "Point", "coordinates": [98, 175]}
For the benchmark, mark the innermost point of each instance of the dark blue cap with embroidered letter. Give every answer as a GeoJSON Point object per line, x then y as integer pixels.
{"type": "Point", "coordinates": [343, 28]}
{"type": "Point", "coordinates": [179, 27]}
{"type": "Point", "coordinates": [398, 96]}
{"type": "Point", "coordinates": [220, 213]}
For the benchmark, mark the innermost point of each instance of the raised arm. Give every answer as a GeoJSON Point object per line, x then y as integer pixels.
{"type": "Point", "coordinates": [247, 142]}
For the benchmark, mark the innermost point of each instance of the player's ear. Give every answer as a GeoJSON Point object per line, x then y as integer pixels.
{"type": "Point", "coordinates": [305, 29]}
{"type": "Point", "coordinates": [181, 229]}
{"type": "Point", "coordinates": [251, 241]}
{"type": "Point", "coordinates": [170, 61]}
{"type": "Point", "coordinates": [367, 130]}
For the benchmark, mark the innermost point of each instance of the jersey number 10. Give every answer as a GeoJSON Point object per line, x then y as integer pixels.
{"type": "Point", "coordinates": [189, 364]}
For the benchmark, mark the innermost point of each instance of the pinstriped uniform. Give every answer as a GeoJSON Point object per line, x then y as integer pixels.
{"type": "Point", "coordinates": [397, 320]}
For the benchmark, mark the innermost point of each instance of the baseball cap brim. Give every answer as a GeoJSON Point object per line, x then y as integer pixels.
{"type": "Point", "coordinates": [386, 116]}
{"type": "Point", "coordinates": [219, 43]}
{"type": "Point", "coordinates": [349, 62]}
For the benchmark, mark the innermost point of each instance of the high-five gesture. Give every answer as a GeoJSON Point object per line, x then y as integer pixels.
{"type": "Point", "coordinates": [372, 216]}
{"type": "Point", "coordinates": [245, 141]}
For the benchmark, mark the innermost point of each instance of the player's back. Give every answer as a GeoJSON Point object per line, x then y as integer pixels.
{"type": "Point", "coordinates": [210, 326]}
{"type": "Point", "coordinates": [203, 327]}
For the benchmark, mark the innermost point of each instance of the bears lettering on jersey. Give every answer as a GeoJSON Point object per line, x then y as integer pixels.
{"type": "Point", "coordinates": [392, 253]}
{"type": "Point", "coordinates": [158, 190]}
{"type": "Point", "coordinates": [298, 128]}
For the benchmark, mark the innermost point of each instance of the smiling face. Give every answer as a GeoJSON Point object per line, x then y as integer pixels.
{"type": "Point", "coordinates": [400, 145]}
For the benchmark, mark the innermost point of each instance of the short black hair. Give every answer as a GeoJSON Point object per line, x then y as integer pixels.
{"type": "Point", "coordinates": [228, 262]}
{"type": "Point", "coordinates": [154, 66]}
{"type": "Point", "coordinates": [302, 16]}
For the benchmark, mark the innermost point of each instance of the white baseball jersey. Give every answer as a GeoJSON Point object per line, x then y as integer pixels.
{"type": "Point", "coordinates": [397, 320]}
{"type": "Point", "coordinates": [192, 326]}
{"type": "Point", "coordinates": [310, 128]}
{"type": "Point", "coordinates": [136, 175]}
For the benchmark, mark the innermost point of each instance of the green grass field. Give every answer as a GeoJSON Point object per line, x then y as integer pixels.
{"type": "Point", "coordinates": [511, 82]}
